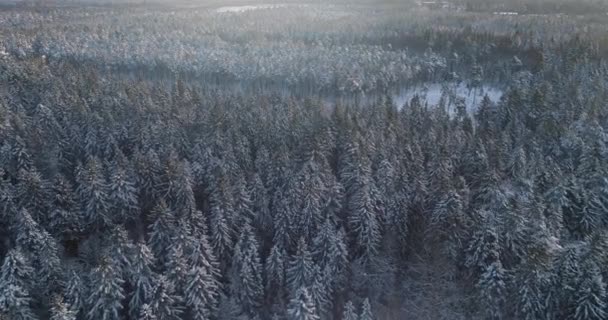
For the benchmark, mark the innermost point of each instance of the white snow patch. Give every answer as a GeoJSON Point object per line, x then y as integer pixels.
{"type": "Point", "coordinates": [431, 94]}
{"type": "Point", "coordinates": [239, 9]}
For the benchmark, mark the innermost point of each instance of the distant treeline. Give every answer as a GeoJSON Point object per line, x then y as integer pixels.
{"type": "Point", "coordinates": [537, 6]}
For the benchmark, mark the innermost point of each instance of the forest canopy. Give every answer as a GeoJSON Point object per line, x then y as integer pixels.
{"type": "Point", "coordinates": [345, 160]}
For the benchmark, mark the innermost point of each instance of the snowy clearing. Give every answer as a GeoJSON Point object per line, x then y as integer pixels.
{"type": "Point", "coordinates": [431, 94]}
{"type": "Point", "coordinates": [240, 9]}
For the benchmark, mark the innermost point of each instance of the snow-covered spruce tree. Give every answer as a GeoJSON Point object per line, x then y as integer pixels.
{"type": "Point", "coordinates": [483, 249]}
{"type": "Point", "coordinates": [366, 311]}
{"type": "Point", "coordinates": [275, 269]}
{"type": "Point", "coordinates": [305, 198]}
{"type": "Point", "coordinates": [106, 292]}
{"type": "Point", "coordinates": [590, 296]}
{"type": "Point", "coordinates": [161, 232]}
{"type": "Point", "coordinates": [221, 234]}
{"type": "Point", "coordinates": [93, 193]}
{"type": "Point", "coordinates": [75, 292]}
{"type": "Point", "coordinates": [331, 254]}
{"type": "Point", "coordinates": [15, 283]}
{"type": "Point", "coordinates": [123, 195]}
{"type": "Point", "coordinates": [202, 284]}
{"type": "Point", "coordinates": [349, 313]}
{"type": "Point", "coordinates": [262, 219]}
{"type": "Point", "coordinates": [176, 186]}
{"type": "Point", "coordinates": [148, 172]}
{"type": "Point", "coordinates": [64, 218]}
{"type": "Point", "coordinates": [531, 295]}
{"type": "Point", "coordinates": [363, 219]}
{"type": "Point", "coordinates": [301, 306]}
{"type": "Point", "coordinates": [301, 268]}
{"type": "Point", "coordinates": [492, 286]}
{"type": "Point", "coordinates": [33, 193]}
{"type": "Point", "coordinates": [42, 249]}
{"type": "Point", "coordinates": [61, 311]}
{"type": "Point", "coordinates": [246, 275]}
{"type": "Point", "coordinates": [163, 303]}
{"type": "Point", "coordinates": [176, 269]}
{"type": "Point", "coordinates": [141, 277]}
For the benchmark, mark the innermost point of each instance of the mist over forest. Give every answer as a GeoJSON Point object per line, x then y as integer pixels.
{"type": "Point", "coordinates": [303, 160]}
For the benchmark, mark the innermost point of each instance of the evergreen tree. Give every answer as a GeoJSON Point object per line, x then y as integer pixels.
{"type": "Point", "coordinates": [301, 306]}
{"type": "Point", "coordinates": [163, 303]}
{"type": "Point", "coordinates": [202, 284]}
{"type": "Point", "coordinates": [366, 311]}
{"type": "Point", "coordinates": [161, 233]}
{"type": "Point", "coordinates": [246, 280]}
{"type": "Point", "coordinates": [301, 268]}
{"type": "Point", "coordinates": [61, 311]}
{"type": "Point", "coordinates": [349, 312]}
{"type": "Point", "coordinates": [364, 219]}
{"type": "Point", "coordinates": [275, 269]}
{"type": "Point", "coordinates": [492, 287]}
{"type": "Point", "coordinates": [15, 299]}
{"type": "Point", "coordinates": [123, 195]}
{"type": "Point", "coordinates": [106, 292]}
{"type": "Point", "coordinates": [141, 278]}
{"type": "Point", "coordinates": [591, 297]}
{"type": "Point", "coordinates": [64, 218]}
{"type": "Point", "coordinates": [93, 192]}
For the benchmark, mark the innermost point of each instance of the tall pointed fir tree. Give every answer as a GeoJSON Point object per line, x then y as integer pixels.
{"type": "Point", "coordinates": [363, 219]}
{"type": "Point", "coordinates": [163, 303]}
{"type": "Point", "coordinates": [64, 218]}
{"type": "Point", "coordinates": [61, 311]}
{"type": "Point", "coordinates": [492, 287]}
{"type": "Point", "coordinates": [202, 284]}
{"type": "Point", "coordinates": [301, 306]}
{"type": "Point", "coordinates": [161, 233]}
{"type": "Point", "coordinates": [591, 296]}
{"type": "Point", "coordinates": [141, 278]}
{"type": "Point", "coordinates": [275, 273]}
{"type": "Point", "coordinates": [15, 277]}
{"type": "Point", "coordinates": [349, 313]}
{"type": "Point", "coordinates": [246, 276]}
{"type": "Point", "coordinates": [123, 195]}
{"type": "Point", "coordinates": [366, 311]}
{"type": "Point", "coordinates": [92, 191]}
{"type": "Point", "coordinates": [106, 292]}
{"type": "Point", "coordinates": [43, 248]}
{"type": "Point", "coordinates": [301, 268]}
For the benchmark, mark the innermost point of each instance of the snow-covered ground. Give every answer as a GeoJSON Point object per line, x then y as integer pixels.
{"type": "Point", "coordinates": [431, 93]}
{"type": "Point", "coordinates": [239, 9]}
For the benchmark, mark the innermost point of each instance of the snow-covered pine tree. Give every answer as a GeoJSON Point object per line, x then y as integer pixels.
{"type": "Point", "coordinates": [366, 311]}
{"type": "Point", "coordinates": [202, 285]}
{"type": "Point", "coordinates": [246, 275]}
{"type": "Point", "coordinates": [15, 277]}
{"type": "Point", "coordinates": [591, 296]}
{"type": "Point", "coordinates": [64, 218]}
{"type": "Point", "coordinates": [349, 313]}
{"type": "Point", "coordinates": [61, 311]}
{"type": "Point", "coordinates": [301, 268]}
{"type": "Point", "coordinates": [106, 292]}
{"type": "Point", "coordinates": [492, 287]}
{"type": "Point", "coordinates": [363, 219]}
{"type": "Point", "coordinates": [161, 233]}
{"type": "Point", "coordinates": [275, 267]}
{"type": "Point", "coordinates": [301, 306]}
{"type": "Point", "coordinates": [141, 277]}
{"type": "Point", "coordinates": [92, 191]}
{"type": "Point", "coordinates": [163, 303]}
{"type": "Point", "coordinates": [123, 194]}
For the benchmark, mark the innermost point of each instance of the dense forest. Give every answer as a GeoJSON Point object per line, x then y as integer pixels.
{"type": "Point", "coordinates": [190, 163]}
